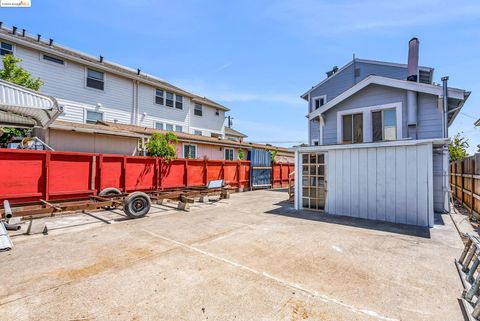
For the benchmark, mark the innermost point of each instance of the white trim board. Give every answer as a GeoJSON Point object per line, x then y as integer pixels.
{"type": "Point", "coordinates": [405, 142]}
{"type": "Point", "coordinates": [367, 120]}
{"type": "Point", "coordinates": [389, 82]}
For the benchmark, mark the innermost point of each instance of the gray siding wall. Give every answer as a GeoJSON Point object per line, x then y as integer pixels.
{"type": "Point", "coordinates": [372, 95]}
{"type": "Point", "coordinates": [345, 79]}
{"type": "Point", "coordinates": [440, 180]}
{"type": "Point", "coordinates": [429, 120]}
{"type": "Point", "coordinates": [314, 132]}
{"type": "Point", "coordinates": [429, 123]}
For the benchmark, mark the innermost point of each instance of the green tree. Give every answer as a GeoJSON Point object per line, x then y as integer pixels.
{"type": "Point", "coordinates": [240, 154]}
{"type": "Point", "coordinates": [16, 74]}
{"type": "Point", "coordinates": [458, 147]}
{"type": "Point", "coordinates": [162, 145]}
{"type": "Point", "coordinates": [274, 155]}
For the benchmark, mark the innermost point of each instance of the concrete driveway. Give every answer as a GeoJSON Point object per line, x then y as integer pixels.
{"type": "Point", "coordinates": [250, 257]}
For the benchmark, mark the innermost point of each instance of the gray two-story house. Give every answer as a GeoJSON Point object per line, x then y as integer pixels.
{"type": "Point", "coordinates": [378, 135]}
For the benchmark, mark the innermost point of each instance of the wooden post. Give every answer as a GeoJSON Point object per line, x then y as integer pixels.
{"type": "Point", "coordinates": [124, 173]}
{"type": "Point", "coordinates": [205, 172]}
{"type": "Point", "coordinates": [238, 175]}
{"type": "Point", "coordinates": [160, 174]}
{"type": "Point", "coordinates": [99, 178]}
{"type": "Point", "coordinates": [281, 175]}
{"type": "Point", "coordinates": [185, 178]}
{"type": "Point", "coordinates": [46, 174]}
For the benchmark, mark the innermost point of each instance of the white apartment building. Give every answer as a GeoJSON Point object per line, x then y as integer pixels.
{"type": "Point", "coordinates": [92, 89]}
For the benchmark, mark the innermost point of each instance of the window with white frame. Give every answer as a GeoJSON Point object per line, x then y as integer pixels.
{"type": "Point", "coordinates": [6, 48]}
{"type": "Point", "coordinates": [95, 79]}
{"type": "Point", "coordinates": [158, 125]}
{"type": "Point", "coordinates": [197, 132]}
{"type": "Point", "coordinates": [198, 111]}
{"type": "Point", "coordinates": [352, 128]}
{"type": "Point", "coordinates": [169, 99]}
{"type": "Point", "coordinates": [179, 129]}
{"type": "Point", "coordinates": [319, 102]}
{"type": "Point", "coordinates": [178, 102]}
{"type": "Point", "coordinates": [53, 59]}
{"type": "Point", "coordinates": [189, 151]}
{"type": "Point", "coordinates": [229, 154]}
{"type": "Point", "coordinates": [159, 99]}
{"type": "Point", "coordinates": [384, 125]}
{"type": "Point", "coordinates": [169, 127]}
{"type": "Point", "coordinates": [93, 116]}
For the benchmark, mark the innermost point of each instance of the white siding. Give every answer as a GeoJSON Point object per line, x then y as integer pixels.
{"type": "Point", "coordinates": [382, 183]}
{"type": "Point", "coordinates": [68, 84]}
{"type": "Point", "coordinates": [160, 113]}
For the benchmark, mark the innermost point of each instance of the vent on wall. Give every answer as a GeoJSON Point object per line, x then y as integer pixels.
{"type": "Point", "coordinates": [425, 76]}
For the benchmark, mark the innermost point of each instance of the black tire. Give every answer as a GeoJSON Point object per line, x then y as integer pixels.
{"type": "Point", "coordinates": [109, 191]}
{"type": "Point", "coordinates": [137, 205]}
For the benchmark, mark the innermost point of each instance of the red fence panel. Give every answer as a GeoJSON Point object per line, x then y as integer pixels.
{"type": "Point", "coordinates": [172, 173]}
{"type": "Point", "coordinates": [70, 175]}
{"type": "Point", "coordinates": [22, 177]}
{"type": "Point", "coordinates": [34, 175]}
{"type": "Point", "coordinates": [140, 173]}
{"type": "Point", "coordinates": [280, 173]}
{"type": "Point", "coordinates": [110, 172]}
{"type": "Point", "coordinates": [214, 170]}
{"type": "Point", "coordinates": [196, 172]}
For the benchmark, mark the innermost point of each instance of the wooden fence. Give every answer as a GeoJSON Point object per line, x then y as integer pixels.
{"type": "Point", "coordinates": [465, 182]}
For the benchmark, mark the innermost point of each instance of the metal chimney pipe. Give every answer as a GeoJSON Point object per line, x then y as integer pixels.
{"type": "Point", "coordinates": [412, 68]}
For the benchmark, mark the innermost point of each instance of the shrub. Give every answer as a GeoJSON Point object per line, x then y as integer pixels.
{"type": "Point", "coordinates": [162, 145]}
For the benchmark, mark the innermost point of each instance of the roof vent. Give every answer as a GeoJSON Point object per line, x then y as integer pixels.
{"type": "Point", "coordinates": [38, 37]}
{"type": "Point", "coordinates": [23, 32]}
{"type": "Point", "coordinates": [50, 42]}
{"type": "Point", "coordinates": [14, 30]}
{"type": "Point", "coordinates": [101, 58]}
{"type": "Point", "coordinates": [332, 72]}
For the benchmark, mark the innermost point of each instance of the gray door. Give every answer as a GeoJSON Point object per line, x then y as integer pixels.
{"type": "Point", "coordinates": [261, 168]}
{"type": "Point", "coordinates": [313, 181]}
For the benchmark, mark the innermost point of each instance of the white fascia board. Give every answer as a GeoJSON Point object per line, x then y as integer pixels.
{"type": "Point", "coordinates": [389, 82]}
{"type": "Point", "coordinates": [405, 142]}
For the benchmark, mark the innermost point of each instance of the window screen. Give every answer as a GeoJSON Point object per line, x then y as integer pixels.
{"type": "Point", "coordinates": [169, 127]}
{"type": "Point", "coordinates": [377, 126]}
{"type": "Point", "coordinates": [189, 151]}
{"type": "Point", "coordinates": [169, 100]}
{"type": "Point", "coordinates": [6, 49]}
{"type": "Point", "coordinates": [228, 154]}
{"type": "Point", "coordinates": [158, 125]}
{"type": "Point", "coordinates": [198, 110]}
{"type": "Point", "coordinates": [53, 59]}
{"type": "Point", "coordinates": [159, 97]}
{"type": "Point", "coordinates": [93, 117]}
{"type": "Point", "coordinates": [178, 102]}
{"type": "Point", "coordinates": [95, 79]}
{"type": "Point", "coordinates": [347, 129]}
{"type": "Point", "coordinates": [389, 124]}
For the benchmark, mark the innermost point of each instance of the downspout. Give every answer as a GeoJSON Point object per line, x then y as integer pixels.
{"type": "Point", "coordinates": [446, 157]}
{"type": "Point", "coordinates": [445, 106]}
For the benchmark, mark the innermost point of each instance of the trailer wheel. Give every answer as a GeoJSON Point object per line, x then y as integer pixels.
{"type": "Point", "coordinates": [137, 205]}
{"type": "Point", "coordinates": [109, 191]}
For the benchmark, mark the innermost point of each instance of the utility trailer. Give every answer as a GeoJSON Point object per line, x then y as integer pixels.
{"type": "Point", "coordinates": [135, 205]}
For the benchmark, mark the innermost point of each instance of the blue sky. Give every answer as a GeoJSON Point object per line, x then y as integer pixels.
{"type": "Point", "coordinates": [258, 57]}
